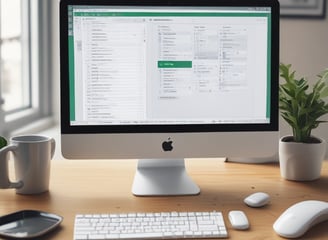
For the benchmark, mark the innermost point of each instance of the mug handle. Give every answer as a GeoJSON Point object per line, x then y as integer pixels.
{"type": "Point", "coordinates": [4, 175]}
{"type": "Point", "coordinates": [53, 147]}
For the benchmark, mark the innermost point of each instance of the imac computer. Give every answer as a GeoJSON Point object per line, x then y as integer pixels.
{"type": "Point", "coordinates": [162, 81]}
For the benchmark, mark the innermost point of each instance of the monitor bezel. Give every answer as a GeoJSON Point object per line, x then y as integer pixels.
{"type": "Point", "coordinates": [67, 128]}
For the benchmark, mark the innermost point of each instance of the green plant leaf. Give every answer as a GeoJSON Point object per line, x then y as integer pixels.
{"type": "Point", "coordinates": [3, 142]}
{"type": "Point", "coordinates": [324, 92]}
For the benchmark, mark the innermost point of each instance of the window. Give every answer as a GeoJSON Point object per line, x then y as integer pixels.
{"type": "Point", "coordinates": [25, 46]}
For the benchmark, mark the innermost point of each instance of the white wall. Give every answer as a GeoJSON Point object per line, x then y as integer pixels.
{"type": "Point", "coordinates": [55, 55]}
{"type": "Point", "coordinates": [304, 44]}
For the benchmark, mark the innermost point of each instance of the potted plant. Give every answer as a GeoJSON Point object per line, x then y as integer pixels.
{"type": "Point", "coordinates": [302, 106]}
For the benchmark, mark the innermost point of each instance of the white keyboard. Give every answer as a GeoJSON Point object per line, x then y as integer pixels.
{"type": "Point", "coordinates": [161, 225]}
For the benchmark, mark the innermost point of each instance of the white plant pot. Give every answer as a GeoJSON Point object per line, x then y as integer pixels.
{"type": "Point", "coordinates": [301, 161]}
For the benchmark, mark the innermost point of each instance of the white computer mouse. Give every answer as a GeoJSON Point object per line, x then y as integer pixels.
{"type": "Point", "coordinates": [297, 219]}
{"type": "Point", "coordinates": [238, 220]}
{"type": "Point", "coordinates": [258, 199]}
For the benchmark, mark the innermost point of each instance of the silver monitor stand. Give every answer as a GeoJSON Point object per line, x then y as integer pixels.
{"type": "Point", "coordinates": [163, 177]}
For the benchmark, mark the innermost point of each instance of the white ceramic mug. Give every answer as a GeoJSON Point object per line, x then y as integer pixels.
{"type": "Point", "coordinates": [32, 160]}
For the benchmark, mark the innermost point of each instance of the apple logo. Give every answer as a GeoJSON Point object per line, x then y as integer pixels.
{"type": "Point", "coordinates": [167, 145]}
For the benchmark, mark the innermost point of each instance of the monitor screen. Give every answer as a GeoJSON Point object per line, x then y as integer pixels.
{"type": "Point", "coordinates": [165, 80]}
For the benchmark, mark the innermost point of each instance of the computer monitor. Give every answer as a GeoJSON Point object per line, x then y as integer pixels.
{"type": "Point", "coordinates": [161, 81]}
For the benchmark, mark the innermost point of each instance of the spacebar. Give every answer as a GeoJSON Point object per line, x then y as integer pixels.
{"type": "Point", "coordinates": [141, 235]}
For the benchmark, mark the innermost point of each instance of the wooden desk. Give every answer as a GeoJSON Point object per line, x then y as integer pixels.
{"type": "Point", "coordinates": [105, 186]}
